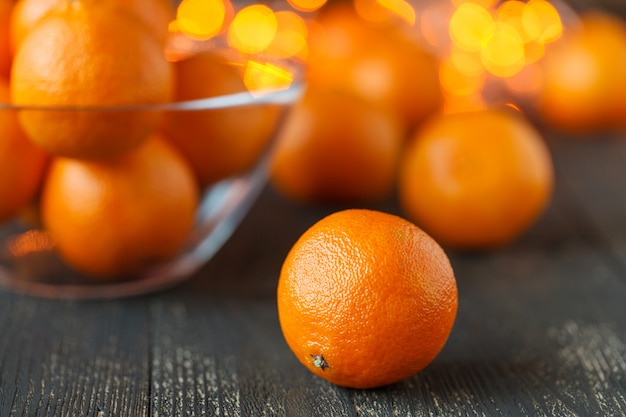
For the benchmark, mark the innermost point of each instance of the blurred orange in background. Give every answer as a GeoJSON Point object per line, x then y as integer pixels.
{"type": "Point", "coordinates": [224, 142]}
{"type": "Point", "coordinates": [22, 164]}
{"type": "Point", "coordinates": [111, 219]}
{"type": "Point", "coordinates": [379, 63]}
{"type": "Point", "coordinates": [476, 180]}
{"type": "Point", "coordinates": [155, 14]}
{"type": "Point", "coordinates": [584, 81]}
{"type": "Point", "coordinates": [6, 8]}
{"type": "Point", "coordinates": [75, 56]}
{"type": "Point", "coordinates": [337, 147]}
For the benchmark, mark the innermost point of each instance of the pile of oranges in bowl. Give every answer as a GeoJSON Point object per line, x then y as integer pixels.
{"type": "Point", "coordinates": [130, 150]}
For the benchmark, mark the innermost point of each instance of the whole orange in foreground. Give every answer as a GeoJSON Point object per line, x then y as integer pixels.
{"type": "Point", "coordinates": [75, 56]}
{"type": "Point", "coordinates": [111, 219]}
{"type": "Point", "coordinates": [220, 142]}
{"type": "Point", "coordinates": [22, 164]}
{"type": "Point", "coordinates": [366, 298]}
{"type": "Point", "coordinates": [337, 147]}
{"type": "Point", "coordinates": [476, 180]}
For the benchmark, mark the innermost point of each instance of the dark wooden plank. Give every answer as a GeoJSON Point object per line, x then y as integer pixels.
{"type": "Point", "coordinates": [540, 331]}
{"type": "Point", "coordinates": [593, 175]}
{"type": "Point", "coordinates": [61, 358]}
{"type": "Point", "coordinates": [541, 328]}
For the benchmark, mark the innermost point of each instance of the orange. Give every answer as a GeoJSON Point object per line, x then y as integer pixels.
{"type": "Point", "coordinates": [584, 88]}
{"type": "Point", "coordinates": [366, 298]}
{"type": "Point", "coordinates": [76, 57]}
{"type": "Point", "coordinates": [476, 180]}
{"type": "Point", "coordinates": [156, 15]}
{"type": "Point", "coordinates": [336, 147]}
{"type": "Point", "coordinates": [381, 65]}
{"type": "Point", "coordinates": [222, 142]}
{"type": "Point", "coordinates": [111, 219]}
{"type": "Point", "coordinates": [6, 8]}
{"type": "Point", "coordinates": [22, 164]}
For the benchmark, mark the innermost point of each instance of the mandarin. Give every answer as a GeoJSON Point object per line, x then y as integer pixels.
{"type": "Point", "coordinates": [75, 57]}
{"type": "Point", "coordinates": [6, 56]}
{"type": "Point", "coordinates": [221, 142]}
{"type": "Point", "coordinates": [476, 180]}
{"type": "Point", "coordinates": [366, 298]}
{"type": "Point", "coordinates": [379, 64]}
{"type": "Point", "coordinates": [22, 164]}
{"type": "Point", "coordinates": [584, 88]}
{"type": "Point", "coordinates": [156, 15]}
{"type": "Point", "coordinates": [111, 219]}
{"type": "Point", "coordinates": [336, 147]}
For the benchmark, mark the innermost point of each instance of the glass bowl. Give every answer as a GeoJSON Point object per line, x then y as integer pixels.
{"type": "Point", "coordinates": [29, 262]}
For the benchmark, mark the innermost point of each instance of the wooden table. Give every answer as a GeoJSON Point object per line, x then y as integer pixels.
{"type": "Point", "coordinates": [541, 327]}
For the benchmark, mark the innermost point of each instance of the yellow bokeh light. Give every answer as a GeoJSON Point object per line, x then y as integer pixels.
{"type": "Point", "coordinates": [291, 35]}
{"type": "Point", "coordinates": [542, 21]}
{"type": "Point", "coordinates": [306, 5]}
{"type": "Point", "coordinates": [201, 19]}
{"type": "Point", "coordinates": [471, 26]}
{"type": "Point", "coordinates": [253, 28]}
{"type": "Point", "coordinates": [261, 78]}
{"type": "Point", "coordinates": [511, 12]}
{"type": "Point", "coordinates": [503, 53]}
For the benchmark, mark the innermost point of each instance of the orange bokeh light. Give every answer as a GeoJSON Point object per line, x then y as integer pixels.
{"type": "Point", "coordinates": [291, 36]}
{"type": "Point", "coordinates": [384, 11]}
{"type": "Point", "coordinates": [306, 5]}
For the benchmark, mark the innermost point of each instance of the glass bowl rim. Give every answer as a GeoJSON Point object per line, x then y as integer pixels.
{"type": "Point", "coordinates": [284, 95]}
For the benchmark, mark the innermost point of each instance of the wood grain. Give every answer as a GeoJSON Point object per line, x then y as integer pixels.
{"type": "Point", "coordinates": [541, 328]}
{"type": "Point", "coordinates": [540, 331]}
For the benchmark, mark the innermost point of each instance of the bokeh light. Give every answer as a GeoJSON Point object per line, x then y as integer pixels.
{"type": "Point", "coordinates": [253, 28]}
{"type": "Point", "coordinates": [470, 26]}
{"type": "Point", "coordinates": [383, 11]}
{"type": "Point", "coordinates": [291, 36]}
{"type": "Point", "coordinates": [201, 19]}
{"type": "Point", "coordinates": [261, 78]}
{"type": "Point", "coordinates": [503, 52]}
{"type": "Point", "coordinates": [306, 5]}
{"type": "Point", "coordinates": [508, 35]}
{"type": "Point", "coordinates": [542, 21]}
